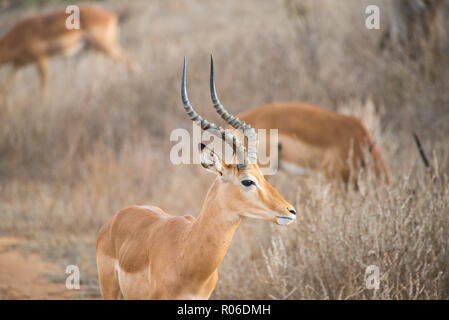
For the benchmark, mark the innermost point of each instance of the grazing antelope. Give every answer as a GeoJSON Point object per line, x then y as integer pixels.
{"type": "Point", "coordinates": [314, 139]}
{"type": "Point", "coordinates": [35, 39]}
{"type": "Point", "coordinates": [145, 253]}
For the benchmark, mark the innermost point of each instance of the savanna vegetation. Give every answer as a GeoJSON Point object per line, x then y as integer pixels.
{"type": "Point", "coordinates": [100, 142]}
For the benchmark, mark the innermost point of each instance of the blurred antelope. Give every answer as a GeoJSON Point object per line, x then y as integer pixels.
{"type": "Point", "coordinates": [35, 39]}
{"type": "Point", "coordinates": [145, 253]}
{"type": "Point", "coordinates": [315, 139]}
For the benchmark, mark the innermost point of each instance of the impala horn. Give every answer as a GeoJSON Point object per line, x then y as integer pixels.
{"type": "Point", "coordinates": [218, 131]}
{"type": "Point", "coordinates": [235, 122]}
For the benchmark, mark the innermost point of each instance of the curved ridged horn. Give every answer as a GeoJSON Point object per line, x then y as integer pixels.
{"type": "Point", "coordinates": [232, 120]}
{"type": "Point", "coordinates": [229, 118]}
{"type": "Point", "coordinates": [194, 116]}
{"type": "Point", "coordinates": [218, 131]}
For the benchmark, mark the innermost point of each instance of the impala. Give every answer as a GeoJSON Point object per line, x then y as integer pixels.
{"type": "Point", "coordinates": [146, 253]}
{"type": "Point", "coordinates": [314, 139]}
{"type": "Point", "coordinates": [35, 39]}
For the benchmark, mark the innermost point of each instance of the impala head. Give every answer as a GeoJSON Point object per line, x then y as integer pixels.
{"type": "Point", "coordinates": [242, 182]}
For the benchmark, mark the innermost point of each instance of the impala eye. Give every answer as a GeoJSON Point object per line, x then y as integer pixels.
{"type": "Point", "coordinates": [248, 183]}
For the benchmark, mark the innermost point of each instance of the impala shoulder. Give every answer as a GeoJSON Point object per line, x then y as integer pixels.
{"type": "Point", "coordinates": [152, 209]}
{"type": "Point", "coordinates": [138, 216]}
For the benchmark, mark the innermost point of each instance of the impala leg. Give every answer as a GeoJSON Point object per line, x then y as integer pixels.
{"type": "Point", "coordinates": [9, 82]}
{"type": "Point", "coordinates": [42, 67]}
{"type": "Point", "coordinates": [107, 276]}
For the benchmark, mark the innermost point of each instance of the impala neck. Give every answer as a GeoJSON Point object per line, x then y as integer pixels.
{"type": "Point", "coordinates": [212, 232]}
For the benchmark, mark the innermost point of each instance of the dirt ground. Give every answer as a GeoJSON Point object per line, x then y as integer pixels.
{"type": "Point", "coordinates": [23, 274]}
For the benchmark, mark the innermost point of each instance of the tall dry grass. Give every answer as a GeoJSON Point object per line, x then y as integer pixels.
{"type": "Point", "coordinates": [101, 143]}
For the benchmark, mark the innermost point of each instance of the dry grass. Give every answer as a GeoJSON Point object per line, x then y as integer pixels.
{"type": "Point", "coordinates": [101, 142]}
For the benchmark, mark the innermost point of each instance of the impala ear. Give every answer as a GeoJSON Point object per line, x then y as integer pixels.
{"type": "Point", "coordinates": [210, 160]}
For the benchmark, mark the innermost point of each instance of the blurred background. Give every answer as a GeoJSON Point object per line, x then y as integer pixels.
{"type": "Point", "coordinates": [100, 142]}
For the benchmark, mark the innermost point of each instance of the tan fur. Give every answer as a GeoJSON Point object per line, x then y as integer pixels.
{"type": "Point", "coordinates": [145, 253]}
{"type": "Point", "coordinates": [35, 39]}
{"type": "Point", "coordinates": [317, 139]}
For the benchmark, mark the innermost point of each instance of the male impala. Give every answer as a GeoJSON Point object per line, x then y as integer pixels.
{"type": "Point", "coordinates": [312, 138]}
{"type": "Point", "coordinates": [145, 253]}
{"type": "Point", "coordinates": [35, 39]}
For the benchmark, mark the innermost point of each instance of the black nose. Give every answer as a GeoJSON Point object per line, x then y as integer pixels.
{"type": "Point", "coordinates": [292, 211]}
